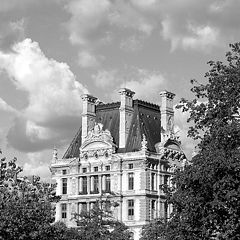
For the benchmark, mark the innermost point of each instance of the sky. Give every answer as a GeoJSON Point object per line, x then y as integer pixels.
{"type": "Point", "coordinates": [53, 51]}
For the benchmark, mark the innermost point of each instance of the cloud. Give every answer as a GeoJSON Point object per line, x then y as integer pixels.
{"type": "Point", "coordinates": [132, 43]}
{"type": "Point", "coordinates": [125, 15]}
{"type": "Point", "coordinates": [196, 37]}
{"type": "Point", "coordinates": [35, 165]}
{"type": "Point", "coordinates": [104, 78]}
{"type": "Point", "coordinates": [94, 23]}
{"type": "Point", "coordinates": [206, 25]}
{"type": "Point", "coordinates": [54, 97]}
{"type": "Point", "coordinates": [181, 129]}
{"type": "Point", "coordinates": [87, 15]}
{"type": "Point", "coordinates": [146, 84]}
{"type": "Point", "coordinates": [86, 59]}
{"type": "Point", "coordinates": [4, 107]}
{"type": "Point", "coordinates": [11, 33]}
{"type": "Point", "coordinates": [7, 5]}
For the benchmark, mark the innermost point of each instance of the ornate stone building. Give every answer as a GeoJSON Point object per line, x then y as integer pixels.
{"type": "Point", "coordinates": [123, 151]}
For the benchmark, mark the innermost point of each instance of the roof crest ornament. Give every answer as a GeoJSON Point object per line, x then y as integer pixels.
{"type": "Point", "coordinates": [55, 155]}
{"type": "Point", "coordinates": [97, 134]}
{"type": "Point", "coordinates": [144, 143]}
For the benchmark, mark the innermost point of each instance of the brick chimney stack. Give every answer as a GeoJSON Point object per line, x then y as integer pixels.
{"type": "Point", "coordinates": [88, 114]}
{"type": "Point", "coordinates": [126, 113]}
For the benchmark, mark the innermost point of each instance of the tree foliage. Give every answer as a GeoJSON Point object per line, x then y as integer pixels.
{"type": "Point", "coordinates": [207, 192]}
{"type": "Point", "coordinates": [98, 224]}
{"type": "Point", "coordinates": [155, 230]}
{"type": "Point", "coordinates": [25, 204]}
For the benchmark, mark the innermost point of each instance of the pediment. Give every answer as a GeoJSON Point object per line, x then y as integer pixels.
{"type": "Point", "coordinates": [98, 142]}
{"type": "Point", "coordinates": [96, 145]}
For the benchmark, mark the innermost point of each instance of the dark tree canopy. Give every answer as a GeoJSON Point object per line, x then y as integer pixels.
{"type": "Point", "coordinates": [207, 192]}
{"type": "Point", "coordinates": [25, 204]}
{"type": "Point", "coordinates": [155, 230]}
{"type": "Point", "coordinates": [98, 224]}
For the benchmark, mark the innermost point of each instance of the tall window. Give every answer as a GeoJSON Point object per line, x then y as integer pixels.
{"type": "Point", "coordinates": [64, 186]}
{"type": "Point", "coordinates": [153, 181]}
{"type": "Point", "coordinates": [153, 209]}
{"type": "Point", "coordinates": [166, 210]}
{"type": "Point", "coordinates": [166, 179]}
{"type": "Point", "coordinates": [130, 181]}
{"type": "Point", "coordinates": [108, 183]}
{"type": "Point", "coordinates": [84, 185]}
{"type": "Point", "coordinates": [130, 209]}
{"type": "Point", "coordinates": [83, 207]}
{"type": "Point", "coordinates": [95, 184]}
{"type": "Point", "coordinates": [64, 210]}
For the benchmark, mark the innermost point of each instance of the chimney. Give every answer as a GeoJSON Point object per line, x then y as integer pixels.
{"type": "Point", "coordinates": [167, 112]}
{"type": "Point", "coordinates": [126, 113]}
{"type": "Point", "coordinates": [88, 114]}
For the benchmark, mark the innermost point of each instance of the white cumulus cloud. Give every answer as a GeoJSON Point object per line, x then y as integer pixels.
{"type": "Point", "coordinates": [54, 95]}
{"type": "Point", "coordinates": [147, 84]}
{"type": "Point", "coordinates": [86, 59]}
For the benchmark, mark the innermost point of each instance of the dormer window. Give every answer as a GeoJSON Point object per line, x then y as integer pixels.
{"type": "Point", "coordinates": [95, 169]}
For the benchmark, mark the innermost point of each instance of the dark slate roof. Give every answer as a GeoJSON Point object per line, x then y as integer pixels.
{"type": "Point", "coordinates": [73, 149]}
{"type": "Point", "coordinates": [146, 120]}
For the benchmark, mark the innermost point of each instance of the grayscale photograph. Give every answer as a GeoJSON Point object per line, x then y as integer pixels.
{"type": "Point", "coordinates": [119, 120]}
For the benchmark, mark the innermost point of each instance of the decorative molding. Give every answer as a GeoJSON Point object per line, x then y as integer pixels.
{"type": "Point", "coordinates": [98, 143]}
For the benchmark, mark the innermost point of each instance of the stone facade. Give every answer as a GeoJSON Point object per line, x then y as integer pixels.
{"type": "Point", "coordinates": [103, 169]}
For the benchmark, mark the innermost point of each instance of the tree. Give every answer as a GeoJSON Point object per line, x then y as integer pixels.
{"type": "Point", "coordinates": [25, 205]}
{"type": "Point", "coordinates": [59, 231]}
{"type": "Point", "coordinates": [155, 230]}
{"type": "Point", "coordinates": [98, 224]}
{"type": "Point", "coordinates": [207, 192]}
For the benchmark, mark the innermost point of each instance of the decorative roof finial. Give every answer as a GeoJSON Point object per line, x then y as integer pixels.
{"type": "Point", "coordinates": [55, 153]}
{"type": "Point", "coordinates": [144, 143]}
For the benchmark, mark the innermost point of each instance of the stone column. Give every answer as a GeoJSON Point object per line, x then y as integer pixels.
{"type": "Point", "coordinates": [104, 183]}
{"type": "Point", "coordinates": [58, 212]}
{"type": "Point", "coordinates": [100, 183]}
{"type": "Point", "coordinates": [79, 208]}
{"type": "Point", "coordinates": [69, 211]}
{"type": "Point", "coordinates": [88, 184]}
{"type": "Point", "coordinates": [92, 183]}
{"type": "Point", "coordinates": [80, 182]}
{"type": "Point", "coordinates": [69, 187]}
{"type": "Point", "coordinates": [74, 186]}
{"type": "Point", "coordinates": [58, 189]}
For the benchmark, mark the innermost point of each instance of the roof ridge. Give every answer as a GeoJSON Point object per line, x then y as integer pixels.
{"type": "Point", "coordinates": [107, 105]}
{"type": "Point", "coordinates": [146, 104]}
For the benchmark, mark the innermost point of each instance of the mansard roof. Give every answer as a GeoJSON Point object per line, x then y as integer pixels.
{"type": "Point", "coordinates": [146, 120]}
